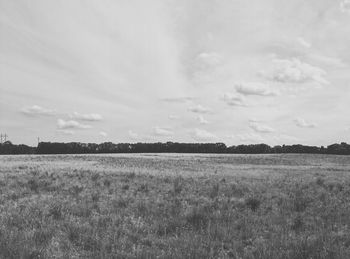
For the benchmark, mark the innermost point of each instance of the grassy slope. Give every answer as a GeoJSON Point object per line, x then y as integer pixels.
{"type": "Point", "coordinates": [183, 206]}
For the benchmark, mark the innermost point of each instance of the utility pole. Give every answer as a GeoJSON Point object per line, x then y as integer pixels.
{"type": "Point", "coordinates": [3, 138]}
{"type": "Point", "coordinates": [38, 140]}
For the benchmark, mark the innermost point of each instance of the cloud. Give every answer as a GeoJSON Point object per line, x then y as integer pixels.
{"type": "Point", "coordinates": [86, 117]}
{"type": "Point", "coordinates": [304, 43]}
{"type": "Point", "coordinates": [66, 132]}
{"type": "Point", "coordinates": [103, 134]}
{"type": "Point", "coordinates": [133, 134]}
{"type": "Point", "coordinates": [177, 99]}
{"type": "Point", "coordinates": [345, 6]}
{"type": "Point", "coordinates": [234, 99]}
{"type": "Point", "coordinates": [303, 124]}
{"type": "Point", "coordinates": [206, 60]}
{"type": "Point", "coordinates": [203, 135]}
{"type": "Point", "coordinates": [255, 88]}
{"type": "Point", "coordinates": [37, 110]}
{"type": "Point", "coordinates": [199, 109]}
{"type": "Point", "coordinates": [294, 71]}
{"type": "Point", "coordinates": [158, 131]}
{"type": "Point", "coordinates": [202, 120]}
{"type": "Point", "coordinates": [71, 124]}
{"type": "Point", "coordinates": [254, 120]}
{"type": "Point", "coordinates": [260, 128]}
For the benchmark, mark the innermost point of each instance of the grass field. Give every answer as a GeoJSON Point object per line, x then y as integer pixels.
{"type": "Point", "coordinates": [175, 206]}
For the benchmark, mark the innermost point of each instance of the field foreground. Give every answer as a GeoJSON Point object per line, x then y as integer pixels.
{"type": "Point", "coordinates": [175, 206]}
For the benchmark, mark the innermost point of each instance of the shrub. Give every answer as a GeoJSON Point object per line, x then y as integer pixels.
{"type": "Point", "coordinates": [143, 187]}
{"type": "Point", "coordinates": [252, 203]}
{"type": "Point", "coordinates": [297, 223]}
{"type": "Point", "coordinates": [320, 181]}
{"type": "Point", "coordinates": [76, 190]}
{"type": "Point", "coordinates": [55, 211]}
{"type": "Point", "coordinates": [125, 187]}
{"type": "Point", "coordinates": [197, 217]}
{"type": "Point", "coordinates": [33, 185]}
{"type": "Point", "coordinates": [178, 185]}
{"type": "Point", "coordinates": [95, 177]}
{"type": "Point", "coordinates": [168, 226]}
{"type": "Point", "coordinates": [95, 196]}
{"type": "Point", "coordinates": [300, 203]}
{"type": "Point", "coordinates": [214, 191]}
{"type": "Point", "coordinates": [107, 183]}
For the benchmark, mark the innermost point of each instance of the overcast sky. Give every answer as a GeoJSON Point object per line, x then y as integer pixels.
{"type": "Point", "coordinates": [232, 71]}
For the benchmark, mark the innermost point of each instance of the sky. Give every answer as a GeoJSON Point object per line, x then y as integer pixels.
{"type": "Point", "coordinates": [232, 71]}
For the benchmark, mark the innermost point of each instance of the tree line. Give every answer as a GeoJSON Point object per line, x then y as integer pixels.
{"type": "Point", "coordinates": [168, 147]}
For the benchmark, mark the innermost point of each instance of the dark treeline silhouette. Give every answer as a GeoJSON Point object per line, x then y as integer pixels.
{"type": "Point", "coordinates": [168, 147]}
{"type": "Point", "coordinates": [7, 148]}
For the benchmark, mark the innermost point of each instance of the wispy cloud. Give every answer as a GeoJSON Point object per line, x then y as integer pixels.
{"type": "Point", "coordinates": [203, 135]}
{"type": "Point", "coordinates": [206, 60]}
{"type": "Point", "coordinates": [202, 120]}
{"type": "Point", "coordinates": [71, 124]}
{"type": "Point", "coordinates": [294, 71]}
{"type": "Point", "coordinates": [159, 131]}
{"type": "Point", "coordinates": [255, 88]}
{"type": "Point", "coordinates": [199, 109]}
{"type": "Point", "coordinates": [86, 117]}
{"type": "Point", "coordinates": [177, 99]}
{"type": "Point", "coordinates": [103, 134]}
{"type": "Point", "coordinates": [37, 110]}
{"type": "Point", "coordinates": [260, 128]}
{"type": "Point", "coordinates": [304, 43]}
{"type": "Point", "coordinates": [304, 124]}
{"type": "Point", "coordinates": [234, 99]}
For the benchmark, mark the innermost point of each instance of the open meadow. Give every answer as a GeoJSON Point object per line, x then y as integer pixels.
{"type": "Point", "coordinates": [175, 206]}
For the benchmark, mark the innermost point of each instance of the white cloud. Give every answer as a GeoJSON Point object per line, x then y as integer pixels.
{"type": "Point", "coordinates": [261, 128]}
{"type": "Point", "coordinates": [71, 124]}
{"type": "Point", "coordinates": [203, 135]}
{"type": "Point", "coordinates": [202, 120]}
{"type": "Point", "coordinates": [133, 134]}
{"type": "Point", "coordinates": [206, 60]}
{"type": "Point", "coordinates": [255, 88]}
{"type": "Point", "coordinates": [103, 134]}
{"type": "Point", "coordinates": [234, 99]}
{"type": "Point", "coordinates": [345, 6]}
{"type": "Point", "coordinates": [303, 42]}
{"type": "Point", "coordinates": [37, 110]}
{"type": "Point", "coordinates": [199, 109]}
{"type": "Point", "coordinates": [254, 120]}
{"type": "Point", "coordinates": [86, 117]}
{"type": "Point", "coordinates": [304, 124]}
{"type": "Point", "coordinates": [294, 71]}
{"type": "Point", "coordinates": [159, 131]}
{"type": "Point", "coordinates": [177, 99]}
